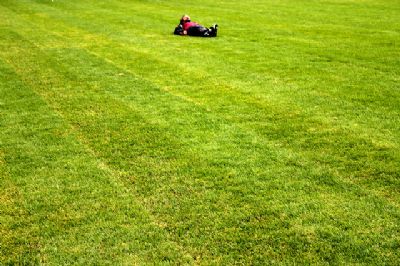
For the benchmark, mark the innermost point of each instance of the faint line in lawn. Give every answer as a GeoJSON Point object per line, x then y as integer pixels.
{"type": "Point", "coordinates": [166, 89]}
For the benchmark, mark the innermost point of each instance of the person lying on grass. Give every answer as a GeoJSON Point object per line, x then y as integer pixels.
{"type": "Point", "coordinates": [188, 27]}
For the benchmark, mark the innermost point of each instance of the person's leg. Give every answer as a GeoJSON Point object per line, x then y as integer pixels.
{"type": "Point", "coordinates": [198, 31]}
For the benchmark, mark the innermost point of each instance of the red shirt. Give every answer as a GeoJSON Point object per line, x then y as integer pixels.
{"type": "Point", "coordinates": [187, 25]}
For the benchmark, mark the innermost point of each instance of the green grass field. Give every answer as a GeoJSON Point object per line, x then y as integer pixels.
{"type": "Point", "coordinates": [276, 143]}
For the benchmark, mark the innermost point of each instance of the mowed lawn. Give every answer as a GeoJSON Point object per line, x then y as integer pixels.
{"type": "Point", "coordinates": [277, 142]}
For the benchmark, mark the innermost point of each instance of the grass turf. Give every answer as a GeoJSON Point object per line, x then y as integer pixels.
{"type": "Point", "coordinates": [277, 142]}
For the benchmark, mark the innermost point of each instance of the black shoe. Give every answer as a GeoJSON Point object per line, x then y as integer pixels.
{"type": "Point", "coordinates": [214, 30]}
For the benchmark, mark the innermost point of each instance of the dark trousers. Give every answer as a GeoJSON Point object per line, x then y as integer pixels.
{"type": "Point", "coordinates": [202, 31]}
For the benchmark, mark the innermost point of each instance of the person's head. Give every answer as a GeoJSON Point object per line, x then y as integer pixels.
{"type": "Point", "coordinates": [185, 18]}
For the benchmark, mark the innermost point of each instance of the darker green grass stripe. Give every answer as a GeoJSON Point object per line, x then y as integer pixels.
{"type": "Point", "coordinates": [19, 242]}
